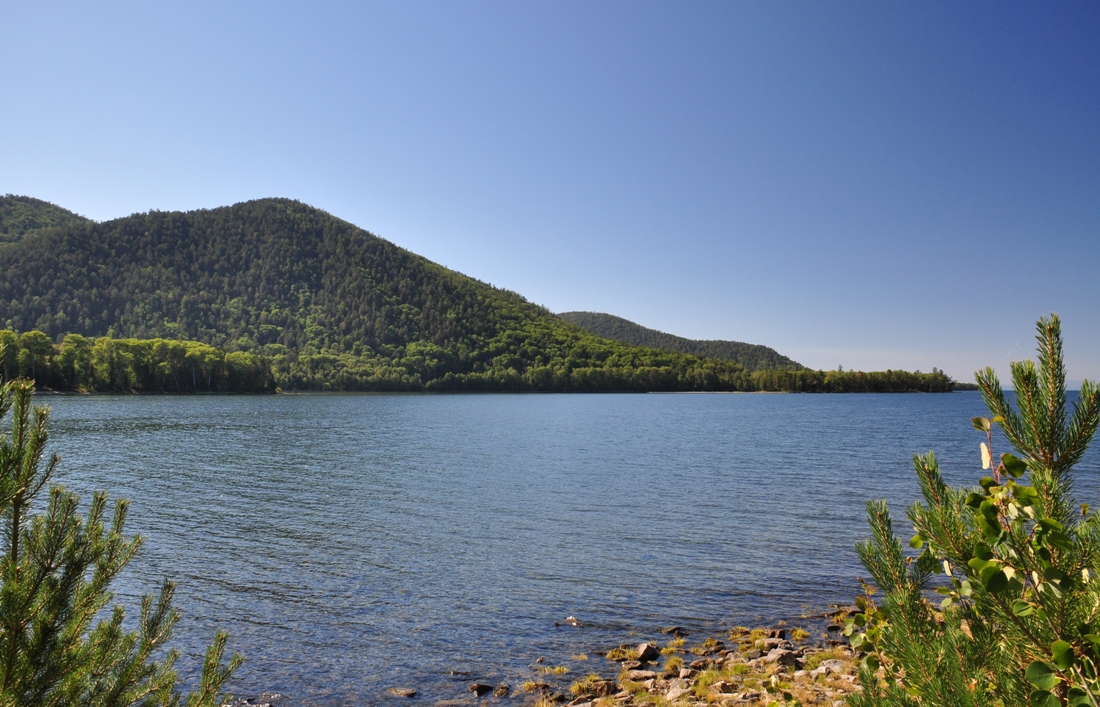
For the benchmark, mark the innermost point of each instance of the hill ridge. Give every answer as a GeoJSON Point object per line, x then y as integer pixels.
{"type": "Point", "coordinates": [20, 215]}
{"type": "Point", "coordinates": [752, 356]}
{"type": "Point", "coordinates": [332, 306]}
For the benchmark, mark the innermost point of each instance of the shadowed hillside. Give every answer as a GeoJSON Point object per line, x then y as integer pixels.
{"type": "Point", "coordinates": [754, 357]}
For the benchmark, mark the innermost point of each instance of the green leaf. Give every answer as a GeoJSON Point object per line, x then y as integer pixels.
{"type": "Point", "coordinates": [1041, 675]}
{"type": "Point", "coordinates": [1050, 524]}
{"type": "Point", "coordinates": [981, 424]}
{"type": "Point", "coordinates": [1022, 608]}
{"type": "Point", "coordinates": [917, 542]}
{"type": "Point", "coordinates": [990, 530]}
{"type": "Point", "coordinates": [998, 582]}
{"type": "Point", "coordinates": [1062, 654]}
{"type": "Point", "coordinates": [1078, 697]}
{"type": "Point", "coordinates": [1026, 495]}
{"type": "Point", "coordinates": [1014, 466]}
{"type": "Point", "coordinates": [1058, 539]}
{"type": "Point", "coordinates": [1042, 698]}
{"type": "Point", "coordinates": [856, 640]}
{"type": "Point", "coordinates": [974, 499]}
{"type": "Point", "coordinates": [1052, 574]}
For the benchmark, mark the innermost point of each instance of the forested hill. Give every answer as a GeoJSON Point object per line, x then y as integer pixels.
{"type": "Point", "coordinates": [329, 306]}
{"type": "Point", "coordinates": [20, 215]}
{"type": "Point", "coordinates": [754, 357]}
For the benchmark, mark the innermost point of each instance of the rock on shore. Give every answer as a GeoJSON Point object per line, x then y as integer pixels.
{"type": "Point", "coordinates": [747, 668]}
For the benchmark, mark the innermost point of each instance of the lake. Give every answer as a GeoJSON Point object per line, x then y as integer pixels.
{"type": "Point", "coordinates": [352, 543]}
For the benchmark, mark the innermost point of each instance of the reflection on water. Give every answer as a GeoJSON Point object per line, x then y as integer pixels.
{"type": "Point", "coordinates": [352, 543]}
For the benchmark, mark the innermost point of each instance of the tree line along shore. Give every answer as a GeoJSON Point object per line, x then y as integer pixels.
{"type": "Point", "coordinates": [106, 364]}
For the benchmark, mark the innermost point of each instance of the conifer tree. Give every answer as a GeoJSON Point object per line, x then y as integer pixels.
{"type": "Point", "coordinates": [1017, 621]}
{"type": "Point", "coordinates": [60, 645]}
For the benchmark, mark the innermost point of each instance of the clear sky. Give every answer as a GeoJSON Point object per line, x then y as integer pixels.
{"type": "Point", "coordinates": [874, 185]}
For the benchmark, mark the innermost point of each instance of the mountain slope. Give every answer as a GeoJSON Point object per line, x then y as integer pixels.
{"type": "Point", "coordinates": [754, 357]}
{"type": "Point", "coordinates": [333, 306]}
{"type": "Point", "coordinates": [20, 215]}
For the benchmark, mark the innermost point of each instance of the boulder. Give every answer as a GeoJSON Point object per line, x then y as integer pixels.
{"type": "Point", "coordinates": [402, 691]}
{"type": "Point", "coordinates": [677, 692]}
{"type": "Point", "coordinates": [603, 688]}
{"type": "Point", "coordinates": [781, 656]}
{"type": "Point", "coordinates": [647, 651]}
{"type": "Point", "coordinates": [480, 688]}
{"type": "Point", "coordinates": [640, 675]}
{"type": "Point", "coordinates": [502, 690]}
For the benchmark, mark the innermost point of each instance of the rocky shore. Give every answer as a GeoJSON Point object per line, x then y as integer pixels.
{"type": "Point", "coordinates": [808, 663]}
{"type": "Point", "coordinates": [745, 667]}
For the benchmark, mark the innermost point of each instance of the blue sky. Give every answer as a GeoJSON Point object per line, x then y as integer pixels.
{"type": "Point", "coordinates": [874, 185]}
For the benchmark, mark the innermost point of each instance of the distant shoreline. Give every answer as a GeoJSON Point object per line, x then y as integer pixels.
{"type": "Point", "coordinates": [475, 393]}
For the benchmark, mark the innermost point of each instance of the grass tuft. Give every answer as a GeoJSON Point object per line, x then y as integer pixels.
{"type": "Point", "coordinates": [584, 686]}
{"type": "Point", "coordinates": [673, 664]}
{"type": "Point", "coordinates": [620, 654]}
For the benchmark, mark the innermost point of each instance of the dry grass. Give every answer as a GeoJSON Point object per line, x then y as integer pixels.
{"type": "Point", "coordinates": [584, 685]}
{"type": "Point", "coordinates": [621, 653]}
{"type": "Point", "coordinates": [813, 660]}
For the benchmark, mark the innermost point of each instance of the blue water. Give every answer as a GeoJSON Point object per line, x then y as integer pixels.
{"type": "Point", "coordinates": [352, 543]}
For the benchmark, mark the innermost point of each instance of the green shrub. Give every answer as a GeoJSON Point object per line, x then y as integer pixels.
{"type": "Point", "coordinates": [56, 570]}
{"type": "Point", "coordinates": [1018, 617]}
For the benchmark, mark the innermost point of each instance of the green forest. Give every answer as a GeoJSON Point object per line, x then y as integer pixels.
{"type": "Point", "coordinates": [130, 365]}
{"type": "Point", "coordinates": [20, 215]}
{"type": "Point", "coordinates": [754, 357]}
{"type": "Point", "coordinates": [324, 304]}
